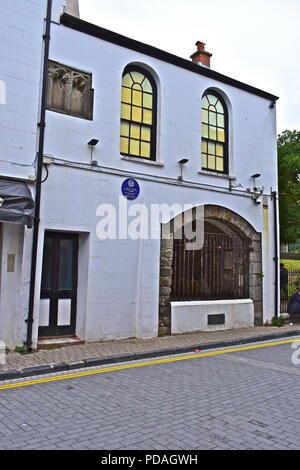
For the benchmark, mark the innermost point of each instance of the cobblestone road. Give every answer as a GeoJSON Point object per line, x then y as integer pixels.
{"type": "Point", "coordinates": [239, 400]}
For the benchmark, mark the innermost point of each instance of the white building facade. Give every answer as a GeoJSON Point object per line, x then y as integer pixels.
{"type": "Point", "coordinates": [143, 111]}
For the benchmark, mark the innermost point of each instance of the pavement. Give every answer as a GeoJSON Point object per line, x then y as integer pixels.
{"type": "Point", "coordinates": [18, 365]}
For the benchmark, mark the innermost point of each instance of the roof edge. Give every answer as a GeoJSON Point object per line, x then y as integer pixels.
{"type": "Point", "coordinates": [101, 33]}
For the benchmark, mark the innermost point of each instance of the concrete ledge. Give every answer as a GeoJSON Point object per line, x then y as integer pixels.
{"type": "Point", "coordinates": [192, 316]}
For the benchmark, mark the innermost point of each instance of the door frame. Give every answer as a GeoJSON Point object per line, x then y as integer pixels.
{"type": "Point", "coordinates": [54, 294]}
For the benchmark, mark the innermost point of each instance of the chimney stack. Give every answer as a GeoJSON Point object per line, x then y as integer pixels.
{"type": "Point", "coordinates": [201, 57]}
{"type": "Point", "coordinates": [72, 8]}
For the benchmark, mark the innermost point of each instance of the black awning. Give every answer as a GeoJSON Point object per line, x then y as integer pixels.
{"type": "Point", "coordinates": [17, 206]}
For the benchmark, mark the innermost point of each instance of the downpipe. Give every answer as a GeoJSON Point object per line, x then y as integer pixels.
{"type": "Point", "coordinates": [276, 254]}
{"type": "Point", "coordinates": [41, 126]}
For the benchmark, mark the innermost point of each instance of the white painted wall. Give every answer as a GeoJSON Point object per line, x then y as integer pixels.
{"type": "Point", "coordinates": [188, 317]}
{"type": "Point", "coordinates": [21, 48]}
{"type": "Point", "coordinates": [21, 29]}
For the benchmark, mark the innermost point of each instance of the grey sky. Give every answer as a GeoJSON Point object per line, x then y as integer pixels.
{"type": "Point", "coordinates": [254, 41]}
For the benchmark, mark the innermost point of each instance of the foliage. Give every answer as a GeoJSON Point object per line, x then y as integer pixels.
{"type": "Point", "coordinates": [294, 247]}
{"type": "Point", "coordinates": [291, 264]}
{"type": "Point", "coordinates": [289, 185]}
{"type": "Point", "coordinates": [277, 321]}
{"type": "Point", "coordinates": [54, 346]}
{"type": "Point", "coordinates": [19, 349]}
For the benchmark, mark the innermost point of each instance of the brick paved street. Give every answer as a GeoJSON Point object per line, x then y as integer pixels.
{"type": "Point", "coordinates": [239, 400]}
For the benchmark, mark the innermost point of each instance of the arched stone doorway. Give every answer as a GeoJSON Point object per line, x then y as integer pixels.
{"type": "Point", "coordinates": [234, 243]}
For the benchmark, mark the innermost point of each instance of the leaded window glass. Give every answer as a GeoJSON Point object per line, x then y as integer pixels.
{"type": "Point", "coordinates": [214, 134]}
{"type": "Point", "coordinates": [138, 114]}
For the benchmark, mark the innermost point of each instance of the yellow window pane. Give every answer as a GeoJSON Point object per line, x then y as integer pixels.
{"type": "Point", "coordinates": [147, 86]}
{"type": "Point", "coordinates": [205, 116]}
{"type": "Point", "coordinates": [219, 164]}
{"type": "Point", "coordinates": [221, 120]}
{"type": "Point", "coordinates": [124, 145]}
{"type": "Point", "coordinates": [134, 147]}
{"type": "Point", "coordinates": [136, 114]}
{"type": "Point", "coordinates": [126, 95]}
{"type": "Point", "coordinates": [124, 128]}
{"type": "Point", "coordinates": [125, 111]}
{"type": "Point", "coordinates": [147, 116]}
{"type": "Point", "coordinates": [146, 133]}
{"type": "Point", "coordinates": [212, 99]}
{"type": "Point", "coordinates": [147, 101]}
{"type": "Point", "coordinates": [127, 81]}
{"type": "Point", "coordinates": [211, 162]}
{"type": "Point", "coordinates": [212, 118]}
{"type": "Point", "coordinates": [136, 86]}
{"type": "Point", "coordinates": [212, 133]}
{"type": "Point", "coordinates": [212, 108]}
{"type": "Point", "coordinates": [221, 135]}
{"type": "Point", "coordinates": [205, 103]}
{"type": "Point", "coordinates": [137, 98]}
{"type": "Point", "coordinates": [219, 107]}
{"type": "Point", "coordinates": [204, 161]}
{"type": "Point", "coordinates": [135, 131]}
{"type": "Point", "coordinates": [204, 146]}
{"type": "Point", "coordinates": [219, 150]}
{"type": "Point", "coordinates": [211, 148]}
{"type": "Point", "coordinates": [145, 149]}
{"type": "Point", "coordinates": [205, 130]}
{"type": "Point", "coordinates": [137, 77]}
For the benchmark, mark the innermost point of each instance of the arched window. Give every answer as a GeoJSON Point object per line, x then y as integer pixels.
{"type": "Point", "coordinates": [214, 133]}
{"type": "Point", "coordinates": [138, 114]}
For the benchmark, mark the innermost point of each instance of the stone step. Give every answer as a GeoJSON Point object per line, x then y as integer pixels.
{"type": "Point", "coordinates": [60, 341]}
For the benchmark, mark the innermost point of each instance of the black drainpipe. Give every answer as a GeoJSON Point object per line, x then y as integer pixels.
{"type": "Point", "coordinates": [41, 125]}
{"type": "Point", "coordinates": [276, 257]}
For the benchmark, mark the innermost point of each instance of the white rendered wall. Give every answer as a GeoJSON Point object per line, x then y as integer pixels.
{"type": "Point", "coordinates": [21, 30]}
{"type": "Point", "coordinates": [22, 24]}
{"type": "Point", "coordinates": [188, 317]}
{"type": "Point", "coordinates": [21, 52]}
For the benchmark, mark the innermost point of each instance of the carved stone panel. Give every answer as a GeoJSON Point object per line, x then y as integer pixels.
{"type": "Point", "coordinates": [69, 91]}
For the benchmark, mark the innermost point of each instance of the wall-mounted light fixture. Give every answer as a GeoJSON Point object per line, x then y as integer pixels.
{"type": "Point", "coordinates": [181, 163]}
{"type": "Point", "coordinates": [92, 144]}
{"type": "Point", "coordinates": [254, 177]}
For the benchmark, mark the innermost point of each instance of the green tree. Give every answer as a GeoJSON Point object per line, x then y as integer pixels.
{"type": "Point", "coordinates": [289, 185]}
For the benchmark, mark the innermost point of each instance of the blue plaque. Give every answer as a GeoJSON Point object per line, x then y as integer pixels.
{"type": "Point", "coordinates": [130, 189]}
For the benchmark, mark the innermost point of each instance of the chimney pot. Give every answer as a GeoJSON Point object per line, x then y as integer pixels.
{"type": "Point", "coordinates": [200, 46]}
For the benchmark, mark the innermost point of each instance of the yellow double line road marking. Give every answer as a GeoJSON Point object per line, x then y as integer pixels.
{"type": "Point", "coordinates": [141, 364]}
